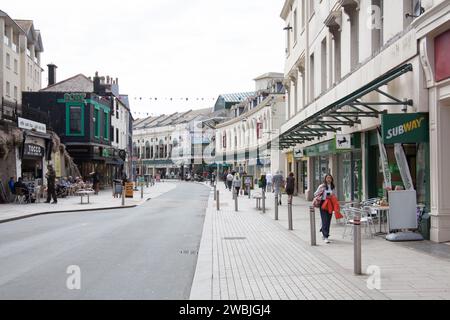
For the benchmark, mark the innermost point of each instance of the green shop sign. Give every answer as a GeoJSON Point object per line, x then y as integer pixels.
{"type": "Point", "coordinates": [405, 128]}
{"type": "Point", "coordinates": [329, 147]}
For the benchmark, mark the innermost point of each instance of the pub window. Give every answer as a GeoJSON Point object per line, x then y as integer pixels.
{"type": "Point", "coordinates": [75, 120]}
{"type": "Point", "coordinates": [96, 123]}
{"type": "Point", "coordinates": [106, 125]}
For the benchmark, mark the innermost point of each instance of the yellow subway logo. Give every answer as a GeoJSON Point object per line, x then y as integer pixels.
{"type": "Point", "coordinates": [405, 128]}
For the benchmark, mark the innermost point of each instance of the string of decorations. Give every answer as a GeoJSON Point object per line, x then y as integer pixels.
{"type": "Point", "coordinates": [172, 99]}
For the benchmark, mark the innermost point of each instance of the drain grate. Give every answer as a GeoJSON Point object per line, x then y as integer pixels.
{"type": "Point", "coordinates": [189, 252]}
{"type": "Point", "coordinates": [234, 238]}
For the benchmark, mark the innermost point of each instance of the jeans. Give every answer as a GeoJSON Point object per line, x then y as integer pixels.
{"type": "Point", "coordinates": [326, 221]}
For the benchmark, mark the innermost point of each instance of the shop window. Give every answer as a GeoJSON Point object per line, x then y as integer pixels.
{"type": "Point", "coordinates": [75, 120]}
{"type": "Point", "coordinates": [442, 63]}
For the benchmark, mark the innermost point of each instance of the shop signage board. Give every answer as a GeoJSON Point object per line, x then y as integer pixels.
{"type": "Point", "coordinates": [405, 128]}
{"type": "Point", "coordinates": [343, 141]}
{"type": "Point", "coordinates": [33, 150]}
{"type": "Point", "coordinates": [129, 190]}
{"type": "Point", "coordinates": [298, 153]}
{"type": "Point", "coordinates": [31, 125]}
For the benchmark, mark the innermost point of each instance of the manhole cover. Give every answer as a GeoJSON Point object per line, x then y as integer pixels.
{"type": "Point", "coordinates": [234, 238]}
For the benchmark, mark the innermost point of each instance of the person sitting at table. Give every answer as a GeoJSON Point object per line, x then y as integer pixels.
{"type": "Point", "coordinates": [20, 185]}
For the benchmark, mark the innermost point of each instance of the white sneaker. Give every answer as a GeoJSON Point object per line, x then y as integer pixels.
{"type": "Point", "coordinates": [327, 241]}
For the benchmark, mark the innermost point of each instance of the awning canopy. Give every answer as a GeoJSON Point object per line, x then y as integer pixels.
{"type": "Point", "coordinates": [333, 117]}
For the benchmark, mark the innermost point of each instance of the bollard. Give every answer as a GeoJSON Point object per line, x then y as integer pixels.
{"type": "Point", "coordinates": [290, 216]}
{"type": "Point", "coordinates": [215, 193]}
{"type": "Point", "coordinates": [312, 220]}
{"type": "Point", "coordinates": [236, 201]}
{"type": "Point", "coordinates": [217, 200]}
{"type": "Point", "coordinates": [142, 190]}
{"type": "Point", "coordinates": [357, 244]}
{"type": "Point", "coordinates": [264, 201]}
{"type": "Point", "coordinates": [123, 195]}
{"type": "Point", "coordinates": [276, 207]}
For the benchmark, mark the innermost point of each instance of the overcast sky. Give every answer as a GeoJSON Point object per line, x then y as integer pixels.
{"type": "Point", "coordinates": [161, 48]}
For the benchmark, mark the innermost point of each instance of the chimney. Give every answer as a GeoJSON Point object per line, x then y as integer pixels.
{"type": "Point", "coordinates": [96, 83]}
{"type": "Point", "coordinates": [51, 74]}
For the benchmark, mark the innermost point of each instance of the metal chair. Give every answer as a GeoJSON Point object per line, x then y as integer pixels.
{"type": "Point", "coordinates": [19, 196]}
{"type": "Point", "coordinates": [365, 219]}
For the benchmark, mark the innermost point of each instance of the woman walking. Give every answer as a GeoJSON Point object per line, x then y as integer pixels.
{"type": "Point", "coordinates": [237, 183]}
{"type": "Point", "coordinates": [326, 191]}
{"type": "Point", "coordinates": [290, 187]}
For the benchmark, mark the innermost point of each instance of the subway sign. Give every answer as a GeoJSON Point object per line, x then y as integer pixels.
{"type": "Point", "coordinates": [405, 128]}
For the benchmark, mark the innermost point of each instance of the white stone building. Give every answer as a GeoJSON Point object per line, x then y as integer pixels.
{"type": "Point", "coordinates": [248, 141]}
{"type": "Point", "coordinates": [172, 144]}
{"type": "Point", "coordinates": [356, 67]}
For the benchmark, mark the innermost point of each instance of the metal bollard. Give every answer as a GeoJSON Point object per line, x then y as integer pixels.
{"type": "Point", "coordinates": [236, 201]}
{"type": "Point", "coordinates": [215, 193]}
{"type": "Point", "coordinates": [264, 201]}
{"type": "Point", "coordinates": [123, 195]}
{"type": "Point", "coordinates": [276, 207]}
{"type": "Point", "coordinates": [142, 190]}
{"type": "Point", "coordinates": [357, 244]}
{"type": "Point", "coordinates": [249, 190]}
{"type": "Point", "coordinates": [312, 219]}
{"type": "Point", "coordinates": [217, 200]}
{"type": "Point", "coordinates": [290, 216]}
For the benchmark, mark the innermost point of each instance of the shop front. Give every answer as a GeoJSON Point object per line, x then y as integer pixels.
{"type": "Point", "coordinates": [405, 139]}
{"type": "Point", "coordinates": [343, 163]}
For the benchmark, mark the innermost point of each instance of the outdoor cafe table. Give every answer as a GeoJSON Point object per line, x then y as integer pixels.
{"type": "Point", "coordinates": [381, 211]}
{"type": "Point", "coordinates": [83, 193]}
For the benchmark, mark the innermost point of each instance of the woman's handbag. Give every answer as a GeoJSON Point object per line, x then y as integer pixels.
{"type": "Point", "coordinates": [318, 199]}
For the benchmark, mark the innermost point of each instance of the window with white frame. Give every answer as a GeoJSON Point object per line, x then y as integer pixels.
{"type": "Point", "coordinates": [8, 89]}
{"type": "Point", "coordinates": [8, 61]}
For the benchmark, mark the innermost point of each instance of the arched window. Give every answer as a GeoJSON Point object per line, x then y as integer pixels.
{"type": "Point", "coordinates": [147, 150]}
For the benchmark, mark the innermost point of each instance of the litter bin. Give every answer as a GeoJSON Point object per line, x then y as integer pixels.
{"type": "Point", "coordinates": [425, 226]}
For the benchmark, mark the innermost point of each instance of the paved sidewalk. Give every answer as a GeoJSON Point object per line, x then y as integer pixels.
{"type": "Point", "coordinates": [249, 255]}
{"type": "Point", "coordinates": [103, 201]}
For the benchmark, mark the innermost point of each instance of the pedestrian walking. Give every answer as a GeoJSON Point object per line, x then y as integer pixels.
{"type": "Point", "coordinates": [263, 182]}
{"type": "Point", "coordinates": [326, 191]}
{"type": "Point", "coordinates": [269, 179]}
{"type": "Point", "coordinates": [237, 183]}
{"type": "Point", "coordinates": [51, 184]}
{"type": "Point", "coordinates": [225, 175]}
{"type": "Point", "coordinates": [229, 180]}
{"type": "Point", "coordinates": [290, 187]}
{"type": "Point", "coordinates": [278, 182]}
{"type": "Point", "coordinates": [96, 181]}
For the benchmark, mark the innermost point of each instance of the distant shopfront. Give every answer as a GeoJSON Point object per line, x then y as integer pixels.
{"type": "Point", "coordinates": [344, 164]}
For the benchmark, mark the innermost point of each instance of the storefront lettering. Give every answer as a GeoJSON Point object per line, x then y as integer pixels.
{"type": "Point", "coordinates": [74, 97]}
{"type": "Point", "coordinates": [405, 128]}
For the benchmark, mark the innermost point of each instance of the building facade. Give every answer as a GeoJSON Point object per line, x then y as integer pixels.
{"type": "Point", "coordinates": [248, 141]}
{"type": "Point", "coordinates": [174, 145]}
{"type": "Point", "coordinates": [25, 146]}
{"type": "Point", "coordinates": [92, 121]}
{"type": "Point", "coordinates": [360, 98]}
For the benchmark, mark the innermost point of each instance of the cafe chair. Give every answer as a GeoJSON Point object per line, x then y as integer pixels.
{"type": "Point", "coordinates": [20, 196]}
{"type": "Point", "coordinates": [366, 221]}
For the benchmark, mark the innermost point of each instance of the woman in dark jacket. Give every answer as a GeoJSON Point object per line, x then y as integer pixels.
{"type": "Point", "coordinates": [290, 187]}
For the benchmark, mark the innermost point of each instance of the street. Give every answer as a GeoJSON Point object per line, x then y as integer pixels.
{"type": "Point", "coordinates": [148, 252]}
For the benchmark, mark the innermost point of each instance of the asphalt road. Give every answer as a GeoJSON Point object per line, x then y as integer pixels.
{"type": "Point", "coordinates": [149, 252]}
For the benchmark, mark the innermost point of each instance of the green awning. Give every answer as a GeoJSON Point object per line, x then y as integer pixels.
{"type": "Point", "coordinates": [333, 118]}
